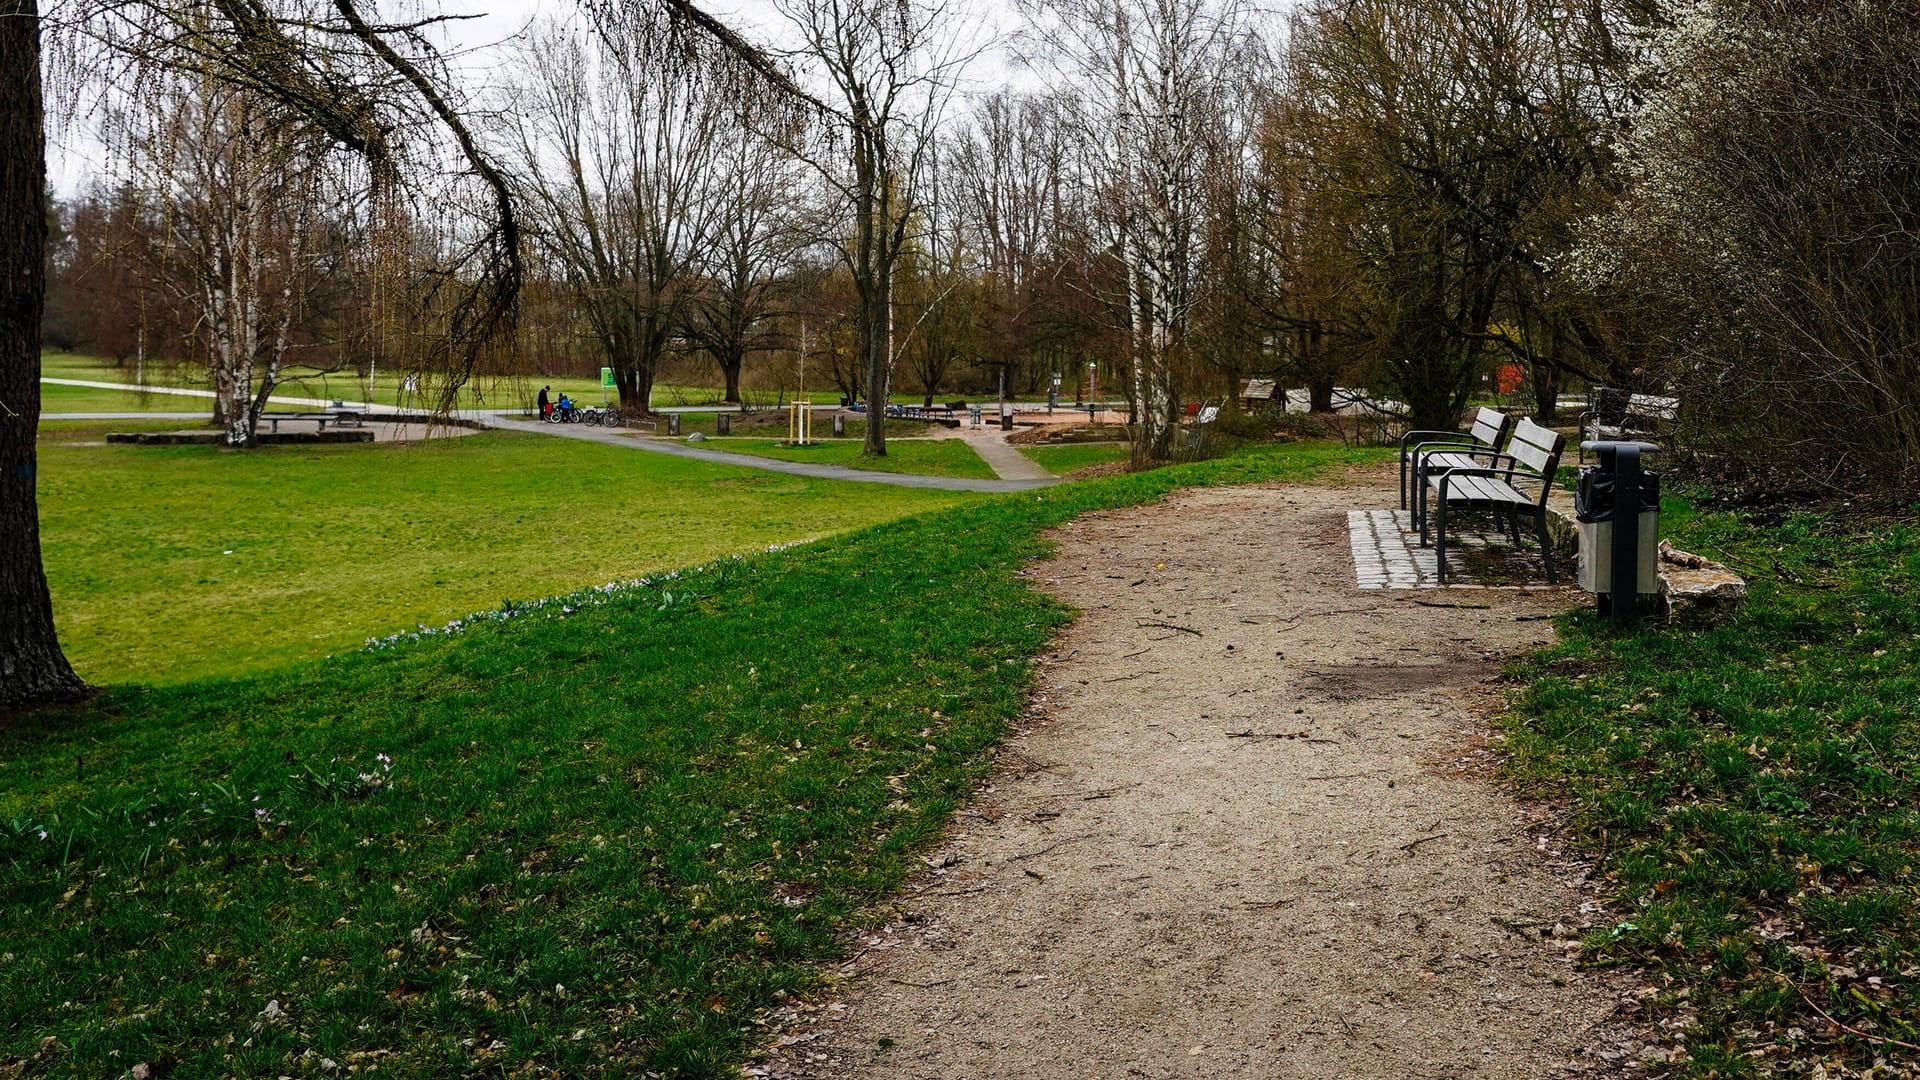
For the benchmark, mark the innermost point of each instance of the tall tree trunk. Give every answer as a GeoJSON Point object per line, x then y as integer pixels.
{"type": "Point", "coordinates": [731, 362]}
{"type": "Point", "coordinates": [879, 298]}
{"type": "Point", "coordinates": [33, 670]}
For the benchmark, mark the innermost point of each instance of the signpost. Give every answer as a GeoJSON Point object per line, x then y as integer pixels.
{"type": "Point", "coordinates": [606, 381]}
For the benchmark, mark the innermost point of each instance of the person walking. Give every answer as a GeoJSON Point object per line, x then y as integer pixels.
{"type": "Point", "coordinates": [546, 405]}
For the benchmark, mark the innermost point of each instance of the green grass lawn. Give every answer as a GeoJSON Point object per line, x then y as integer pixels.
{"type": "Point", "coordinates": [55, 398]}
{"type": "Point", "coordinates": [483, 391]}
{"type": "Point", "coordinates": [175, 563]}
{"type": "Point", "coordinates": [1753, 793]}
{"type": "Point", "coordinates": [62, 399]}
{"type": "Point", "coordinates": [927, 457]}
{"type": "Point", "coordinates": [592, 845]}
{"type": "Point", "coordinates": [1068, 457]}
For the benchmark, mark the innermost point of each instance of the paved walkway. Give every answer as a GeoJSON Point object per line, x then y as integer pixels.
{"type": "Point", "coordinates": [817, 471]}
{"type": "Point", "coordinates": [201, 415]}
{"type": "Point", "coordinates": [1028, 478]}
{"type": "Point", "coordinates": [1004, 459]}
{"type": "Point", "coordinates": [1387, 555]}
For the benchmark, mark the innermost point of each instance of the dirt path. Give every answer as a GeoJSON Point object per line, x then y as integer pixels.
{"type": "Point", "coordinates": [1245, 835]}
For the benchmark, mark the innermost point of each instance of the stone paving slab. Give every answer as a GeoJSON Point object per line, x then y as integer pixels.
{"type": "Point", "coordinates": [1387, 555]}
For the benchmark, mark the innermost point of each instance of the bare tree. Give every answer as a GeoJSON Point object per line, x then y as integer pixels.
{"type": "Point", "coordinates": [621, 150]}
{"type": "Point", "coordinates": [752, 236]}
{"type": "Point", "coordinates": [1150, 77]}
{"type": "Point", "coordinates": [237, 194]}
{"type": "Point", "coordinates": [327, 66]}
{"type": "Point", "coordinates": [889, 68]}
{"type": "Point", "coordinates": [1004, 181]}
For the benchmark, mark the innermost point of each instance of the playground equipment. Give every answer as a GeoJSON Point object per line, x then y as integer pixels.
{"type": "Point", "coordinates": [800, 422]}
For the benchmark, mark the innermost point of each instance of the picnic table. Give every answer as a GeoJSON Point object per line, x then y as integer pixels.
{"type": "Point", "coordinates": [341, 416]}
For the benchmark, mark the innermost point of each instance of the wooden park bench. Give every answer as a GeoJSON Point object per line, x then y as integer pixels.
{"type": "Point", "coordinates": [1619, 414]}
{"type": "Point", "coordinates": [1489, 428]}
{"type": "Point", "coordinates": [1494, 483]}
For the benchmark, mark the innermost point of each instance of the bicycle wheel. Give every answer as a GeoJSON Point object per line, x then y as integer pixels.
{"type": "Point", "coordinates": [590, 416]}
{"type": "Point", "coordinates": [612, 418]}
{"type": "Point", "coordinates": [553, 416]}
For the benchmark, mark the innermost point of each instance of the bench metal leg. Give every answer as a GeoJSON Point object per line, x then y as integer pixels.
{"type": "Point", "coordinates": [1546, 545]}
{"type": "Point", "coordinates": [1440, 542]}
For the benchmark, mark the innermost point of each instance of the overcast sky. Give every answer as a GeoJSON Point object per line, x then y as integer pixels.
{"type": "Point", "coordinates": [758, 20]}
{"type": "Point", "coordinates": [479, 47]}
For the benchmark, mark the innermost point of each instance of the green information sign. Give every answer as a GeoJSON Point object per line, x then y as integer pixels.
{"type": "Point", "coordinates": [606, 376]}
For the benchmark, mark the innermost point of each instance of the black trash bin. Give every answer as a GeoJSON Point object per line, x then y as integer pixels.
{"type": "Point", "coordinates": [1599, 506]}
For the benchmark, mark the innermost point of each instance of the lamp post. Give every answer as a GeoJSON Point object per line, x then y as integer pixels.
{"type": "Point", "coordinates": [1093, 368]}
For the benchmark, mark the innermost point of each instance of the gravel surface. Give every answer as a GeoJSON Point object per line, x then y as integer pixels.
{"type": "Point", "coordinates": [1247, 832]}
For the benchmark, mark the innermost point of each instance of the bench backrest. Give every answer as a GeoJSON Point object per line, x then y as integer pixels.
{"type": "Point", "coordinates": [1653, 407]}
{"type": "Point", "coordinates": [1538, 448]}
{"type": "Point", "coordinates": [1489, 426]}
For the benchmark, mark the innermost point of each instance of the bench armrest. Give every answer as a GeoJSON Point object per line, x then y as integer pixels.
{"type": "Point", "coordinates": [1471, 448]}
{"type": "Point", "coordinates": [1432, 436]}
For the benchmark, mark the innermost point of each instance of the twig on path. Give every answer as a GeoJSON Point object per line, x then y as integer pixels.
{"type": "Point", "coordinates": [1131, 655]}
{"type": "Point", "coordinates": [1252, 734]}
{"type": "Point", "coordinates": [1281, 902]}
{"type": "Point", "coordinates": [1167, 625]}
{"type": "Point", "coordinates": [1293, 621]}
{"type": "Point", "coordinates": [1411, 844]}
{"type": "Point", "coordinates": [920, 985]}
{"type": "Point", "coordinates": [1342, 776]}
{"type": "Point", "coordinates": [1032, 873]}
{"type": "Point", "coordinates": [1128, 678]}
{"type": "Point", "coordinates": [1438, 603]}
{"type": "Point", "coordinates": [1044, 850]}
{"type": "Point", "coordinates": [1107, 793]}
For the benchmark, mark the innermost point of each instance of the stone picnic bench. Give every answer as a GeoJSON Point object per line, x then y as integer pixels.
{"type": "Point", "coordinates": [339, 417]}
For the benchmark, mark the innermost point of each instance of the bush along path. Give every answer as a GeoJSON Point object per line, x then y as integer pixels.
{"type": "Point", "coordinates": [597, 844]}
{"type": "Point", "coordinates": [1242, 836]}
{"type": "Point", "coordinates": [1753, 793]}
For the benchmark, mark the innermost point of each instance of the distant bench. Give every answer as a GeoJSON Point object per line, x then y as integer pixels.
{"type": "Point", "coordinates": [1617, 414]}
{"type": "Point", "coordinates": [341, 417]}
